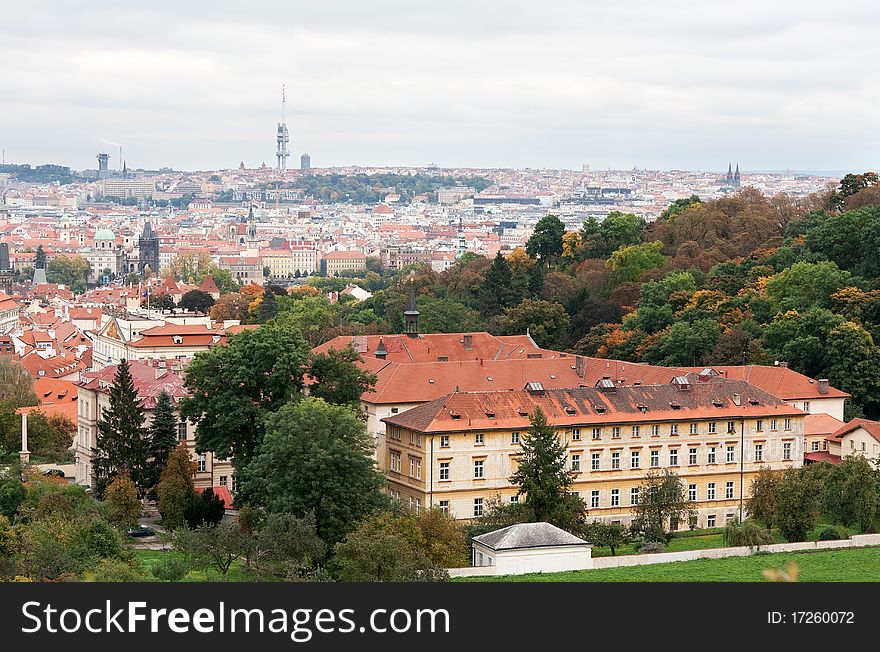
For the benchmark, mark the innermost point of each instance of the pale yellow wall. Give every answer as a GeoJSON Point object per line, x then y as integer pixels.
{"type": "Point", "coordinates": [498, 454]}
{"type": "Point", "coordinates": [860, 442]}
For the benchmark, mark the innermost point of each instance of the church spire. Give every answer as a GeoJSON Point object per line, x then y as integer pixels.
{"type": "Point", "coordinates": [411, 314]}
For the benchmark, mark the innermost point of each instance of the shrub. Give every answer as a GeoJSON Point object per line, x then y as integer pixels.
{"type": "Point", "coordinates": [748, 533]}
{"type": "Point", "coordinates": [114, 570]}
{"type": "Point", "coordinates": [649, 547]}
{"type": "Point", "coordinates": [170, 569]}
{"type": "Point", "coordinates": [830, 534]}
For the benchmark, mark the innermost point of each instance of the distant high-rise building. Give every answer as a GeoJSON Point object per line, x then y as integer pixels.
{"type": "Point", "coordinates": [103, 162]}
{"type": "Point", "coordinates": [282, 138]}
{"type": "Point", "coordinates": [305, 162]}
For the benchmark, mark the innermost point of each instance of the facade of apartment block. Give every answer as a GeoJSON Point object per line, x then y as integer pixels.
{"type": "Point", "coordinates": [461, 458]}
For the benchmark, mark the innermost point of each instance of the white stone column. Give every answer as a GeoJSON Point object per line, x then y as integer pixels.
{"type": "Point", "coordinates": [24, 454]}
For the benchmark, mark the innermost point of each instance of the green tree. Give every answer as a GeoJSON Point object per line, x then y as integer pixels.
{"type": "Point", "coordinates": [543, 477]}
{"type": "Point", "coordinates": [851, 492]}
{"type": "Point", "coordinates": [747, 533]}
{"type": "Point", "coordinates": [122, 443]}
{"type": "Point", "coordinates": [852, 184]}
{"type": "Point", "coordinates": [12, 491]}
{"type": "Point", "coordinates": [497, 292]}
{"type": "Point", "coordinates": [16, 384]}
{"type": "Point", "coordinates": [315, 457]}
{"type": "Point", "coordinates": [607, 535]}
{"type": "Point", "coordinates": [685, 344]}
{"type": "Point", "coordinates": [204, 508]}
{"type": "Point", "coordinates": [121, 503]}
{"type": "Point", "coordinates": [216, 546]}
{"type": "Point", "coordinates": [627, 264]}
{"type": "Point", "coordinates": [806, 285]}
{"type": "Point", "coordinates": [375, 554]}
{"type": "Point", "coordinates": [546, 241]}
{"type": "Point", "coordinates": [761, 504]}
{"type": "Point", "coordinates": [338, 379]}
{"type": "Point", "coordinates": [268, 308]}
{"type": "Point", "coordinates": [546, 322]}
{"type": "Point", "coordinates": [288, 547]}
{"type": "Point", "coordinates": [233, 388]}
{"type": "Point", "coordinates": [197, 301]}
{"type": "Point", "coordinates": [40, 260]}
{"type": "Point", "coordinates": [798, 503]}
{"type": "Point", "coordinates": [72, 271]}
{"type": "Point", "coordinates": [162, 434]}
{"type": "Point", "coordinates": [449, 316]}
{"type": "Point", "coordinates": [662, 502]}
{"type": "Point", "coordinates": [175, 489]}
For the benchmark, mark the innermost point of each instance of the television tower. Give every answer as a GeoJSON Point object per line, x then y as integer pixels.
{"type": "Point", "coordinates": [282, 138]}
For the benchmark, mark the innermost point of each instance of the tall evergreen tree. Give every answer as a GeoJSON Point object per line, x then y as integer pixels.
{"type": "Point", "coordinates": [163, 435]}
{"type": "Point", "coordinates": [543, 477]}
{"type": "Point", "coordinates": [122, 443]}
{"type": "Point", "coordinates": [40, 260]}
{"type": "Point", "coordinates": [496, 292]}
{"type": "Point", "coordinates": [268, 307]}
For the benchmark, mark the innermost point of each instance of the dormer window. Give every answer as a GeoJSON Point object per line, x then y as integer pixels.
{"type": "Point", "coordinates": [570, 409]}
{"type": "Point", "coordinates": [177, 339]}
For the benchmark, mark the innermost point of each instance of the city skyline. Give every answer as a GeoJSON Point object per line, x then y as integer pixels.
{"type": "Point", "coordinates": [671, 87]}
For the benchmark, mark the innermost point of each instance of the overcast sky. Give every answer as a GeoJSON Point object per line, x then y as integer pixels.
{"type": "Point", "coordinates": [663, 84]}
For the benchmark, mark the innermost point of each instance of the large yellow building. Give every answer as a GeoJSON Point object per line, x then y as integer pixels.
{"type": "Point", "coordinates": [458, 452]}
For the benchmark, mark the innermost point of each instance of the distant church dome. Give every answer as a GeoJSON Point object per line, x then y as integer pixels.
{"type": "Point", "coordinates": [104, 234]}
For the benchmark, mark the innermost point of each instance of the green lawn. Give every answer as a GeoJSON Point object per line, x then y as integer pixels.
{"type": "Point", "coordinates": [237, 573]}
{"type": "Point", "coordinates": [850, 565]}
{"type": "Point", "coordinates": [713, 538]}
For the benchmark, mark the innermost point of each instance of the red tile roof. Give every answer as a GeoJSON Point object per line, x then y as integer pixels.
{"type": "Point", "coordinates": [590, 405]}
{"type": "Point", "coordinates": [822, 456]}
{"type": "Point", "coordinates": [871, 427]}
{"type": "Point", "coordinates": [148, 381]}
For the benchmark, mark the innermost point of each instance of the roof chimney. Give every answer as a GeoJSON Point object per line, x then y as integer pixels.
{"type": "Point", "coordinates": [823, 385]}
{"type": "Point", "coordinates": [468, 342]}
{"type": "Point", "coordinates": [580, 365]}
{"type": "Point", "coordinates": [381, 353]}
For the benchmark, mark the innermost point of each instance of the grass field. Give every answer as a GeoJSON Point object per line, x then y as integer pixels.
{"type": "Point", "coordinates": [850, 565]}
{"type": "Point", "coordinates": [237, 572]}
{"type": "Point", "coordinates": [712, 538]}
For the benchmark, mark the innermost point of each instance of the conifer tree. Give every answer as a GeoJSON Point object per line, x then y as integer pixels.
{"type": "Point", "coordinates": [497, 287]}
{"type": "Point", "coordinates": [268, 307]}
{"type": "Point", "coordinates": [543, 478]}
{"type": "Point", "coordinates": [175, 488]}
{"type": "Point", "coordinates": [122, 442]}
{"type": "Point", "coordinates": [163, 435]}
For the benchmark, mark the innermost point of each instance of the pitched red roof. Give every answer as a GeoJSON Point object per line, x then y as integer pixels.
{"type": "Point", "coordinates": [871, 427]}
{"type": "Point", "coordinates": [591, 405]}
{"type": "Point", "coordinates": [148, 381]}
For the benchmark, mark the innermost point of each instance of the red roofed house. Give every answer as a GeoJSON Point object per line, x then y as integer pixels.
{"type": "Point", "coordinates": [457, 452]}
{"type": "Point", "coordinates": [149, 381]}
{"type": "Point", "coordinates": [858, 437]}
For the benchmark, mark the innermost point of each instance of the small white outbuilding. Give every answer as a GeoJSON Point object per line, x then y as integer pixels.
{"type": "Point", "coordinates": [531, 548]}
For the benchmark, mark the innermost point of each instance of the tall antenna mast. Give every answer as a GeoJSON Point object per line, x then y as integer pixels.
{"type": "Point", "coordinates": [282, 137]}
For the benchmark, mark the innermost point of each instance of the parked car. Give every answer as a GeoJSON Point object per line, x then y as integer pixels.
{"type": "Point", "coordinates": [53, 473]}
{"type": "Point", "coordinates": [141, 531]}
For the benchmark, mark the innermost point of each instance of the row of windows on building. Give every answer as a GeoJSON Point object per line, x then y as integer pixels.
{"type": "Point", "coordinates": [598, 433]}
{"type": "Point", "coordinates": [713, 492]}
{"type": "Point", "coordinates": [713, 454]}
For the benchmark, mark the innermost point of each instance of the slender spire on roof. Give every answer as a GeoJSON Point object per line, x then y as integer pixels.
{"type": "Point", "coordinates": [411, 315]}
